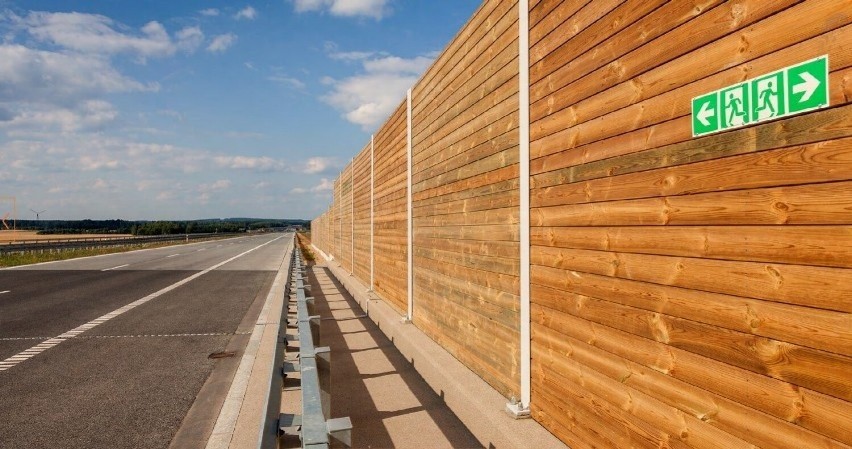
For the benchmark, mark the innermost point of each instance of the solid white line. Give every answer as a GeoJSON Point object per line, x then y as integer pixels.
{"type": "Point", "coordinates": [115, 268]}
{"type": "Point", "coordinates": [47, 344]}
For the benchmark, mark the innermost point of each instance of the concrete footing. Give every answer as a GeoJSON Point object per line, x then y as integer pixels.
{"type": "Point", "coordinates": [479, 406]}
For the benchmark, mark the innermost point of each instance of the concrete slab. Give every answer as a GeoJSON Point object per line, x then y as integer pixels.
{"type": "Point", "coordinates": [389, 404]}
{"type": "Point", "coordinates": [465, 396]}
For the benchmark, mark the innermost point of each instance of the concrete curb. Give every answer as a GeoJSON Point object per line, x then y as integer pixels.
{"type": "Point", "coordinates": [243, 414]}
{"type": "Point", "coordinates": [479, 406]}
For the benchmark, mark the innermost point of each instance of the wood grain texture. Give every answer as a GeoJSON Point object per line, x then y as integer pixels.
{"type": "Point", "coordinates": [686, 292]}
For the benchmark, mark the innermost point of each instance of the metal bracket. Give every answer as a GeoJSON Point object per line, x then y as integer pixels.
{"type": "Point", "coordinates": [517, 411]}
{"type": "Point", "coordinates": [340, 429]}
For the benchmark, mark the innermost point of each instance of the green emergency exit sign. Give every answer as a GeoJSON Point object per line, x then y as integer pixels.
{"type": "Point", "coordinates": [792, 90]}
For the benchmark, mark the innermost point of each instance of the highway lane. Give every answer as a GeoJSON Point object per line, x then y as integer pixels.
{"type": "Point", "coordinates": [128, 381]}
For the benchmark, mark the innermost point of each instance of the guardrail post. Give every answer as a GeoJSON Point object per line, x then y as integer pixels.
{"type": "Point", "coordinates": [323, 358]}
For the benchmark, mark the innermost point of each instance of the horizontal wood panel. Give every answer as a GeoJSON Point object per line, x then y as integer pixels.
{"type": "Point", "coordinates": [770, 395]}
{"type": "Point", "coordinates": [728, 416]}
{"type": "Point", "coordinates": [820, 329]}
{"type": "Point", "coordinates": [814, 204]}
{"type": "Point", "coordinates": [812, 163]}
{"type": "Point", "coordinates": [822, 371]}
{"type": "Point", "coordinates": [817, 287]}
{"type": "Point", "coordinates": [798, 245]}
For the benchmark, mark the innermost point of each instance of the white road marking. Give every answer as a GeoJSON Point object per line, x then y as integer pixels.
{"type": "Point", "coordinates": [115, 268]}
{"type": "Point", "coordinates": [173, 255]}
{"type": "Point", "coordinates": [51, 342]}
{"type": "Point", "coordinates": [4, 292]}
{"type": "Point", "coordinates": [202, 249]}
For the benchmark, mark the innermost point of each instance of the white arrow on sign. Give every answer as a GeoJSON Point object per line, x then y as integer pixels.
{"type": "Point", "coordinates": [704, 113]}
{"type": "Point", "coordinates": [808, 85]}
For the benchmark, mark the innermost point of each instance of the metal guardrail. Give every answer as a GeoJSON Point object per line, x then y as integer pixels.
{"type": "Point", "coordinates": [314, 426]}
{"type": "Point", "coordinates": [25, 246]}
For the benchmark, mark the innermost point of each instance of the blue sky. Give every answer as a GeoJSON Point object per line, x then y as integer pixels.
{"type": "Point", "coordinates": [191, 109]}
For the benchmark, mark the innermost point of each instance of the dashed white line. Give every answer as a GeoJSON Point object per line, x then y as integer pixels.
{"type": "Point", "coordinates": [173, 255]}
{"type": "Point", "coordinates": [115, 268]}
{"type": "Point", "coordinates": [202, 249]}
{"type": "Point", "coordinates": [4, 292]}
{"type": "Point", "coordinates": [51, 342]}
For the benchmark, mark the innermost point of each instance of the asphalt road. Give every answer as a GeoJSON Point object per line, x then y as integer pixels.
{"type": "Point", "coordinates": [145, 322]}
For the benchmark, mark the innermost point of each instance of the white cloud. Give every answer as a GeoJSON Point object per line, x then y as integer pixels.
{"type": "Point", "coordinates": [91, 114]}
{"type": "Point", "coordinates": [96, 34]}
{"type": "Point", "coordinates": [189, 39]}
{"type": "Point", "coordinates": [368, 98]}
{"type": "Point", "coordinates": [43, 76]}
{"type": "Point", "coordinates": [222, 42]}
{"type": "Point", "coordinates": [316, 165]}
{"type": "Point", "coordinates": [209, 12]}
{"type": "Point", "coordinates": [219, 185]}
{"type": "Point", "coordinates": [262, 164]}
{"type": "Point", "coordinates": [248, 13]}
{"type": "Point", "coordinates": [376, 9]}
{"type": "Point", "coordinates": [171, 114]}
{"type": "Point", "coordinates": [288, 81]}
{"type": "Point", "coordinates": [325, 185]}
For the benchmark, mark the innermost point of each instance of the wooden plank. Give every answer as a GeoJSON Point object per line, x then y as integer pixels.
{"type": "Point", "coordinates": [507, 250]}
{"type": "Point", "coordinates": [658, 23]}
{"type": "Point", "coordinates": [832, 122]}
{"type": "Point", "coordinates": [509, 215]}
{"type": "Point", "coordinates": [593, 18]}
{"type": "Point", "coordinates": [822, 371]}
{"type": "Point", "coordinates": [498, 200]}
{"type": "Point", "coordinates": [490, 69]}
{"type": "Point", "coordinates": [496, 105]}
{"type": "Point", "coordinates": [461, 45]}
{"type": "Point", "coordinates": [558, 417]}
{"type": "Point", "coordinates": [597, 72]}
{"type": "Point", "coordinates": [480, 262]}
{"type": "Point", "coordinates": [815, 328]}
{"type": "Point", "coordinates": [805, 407]}
{"type": "Point", "coordinates": [824, 288]}
{"type": "Point", "coordinates": [613, 399]}
{"type": "Point", "coordinates": [487, 164]}
{"type": "Point", "coordinates": [452, 159]}
{"type": "Point", "coordinates": [814, 204]}
{"type": "Point", "coordinates": [825, 161]}
{"type": "Point", "coordinates": [490, 189]}
{"type": "Point", "coordinates": [493, 305]}
{"type": "Point", "coordinates": [561, 354]}
{"type": "Point", "coordinates": [498, 281]}
{"type": "Point", "coordinates": [494, 177]}
{"type": "Point", "coordinates": [660, 94]}
{"type": "Point", "coordinates": [604, 424]}
{"type": "Point", "coordinates": [486, 347]}
{"type": "Point", "coordinates": [551, 21]}
{"type": "Point", "coordinates": [540, 9]}
{"type": "Point", "coordinates": [487, 137]}
{"type": "Point", "coordinates": [491, 233]}
{"type": "Point", "coordinates": [800, 245]}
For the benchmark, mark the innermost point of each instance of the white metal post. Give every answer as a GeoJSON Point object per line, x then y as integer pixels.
{"type": "Point", "coordinates": [352, 213]}
{"type": "Point", "coordinates": [410, 314]}
{"type": "Point", "coordinates": [522, 409]}
{"type": "Point", "coordinates": [372, 204]}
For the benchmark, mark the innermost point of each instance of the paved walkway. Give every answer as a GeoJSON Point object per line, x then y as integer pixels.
{"type": "Point", "coordinates": [388, 401]}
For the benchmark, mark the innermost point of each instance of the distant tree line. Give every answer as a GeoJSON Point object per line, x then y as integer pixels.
{"type": "Point", "coordinates": [228, 225]}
